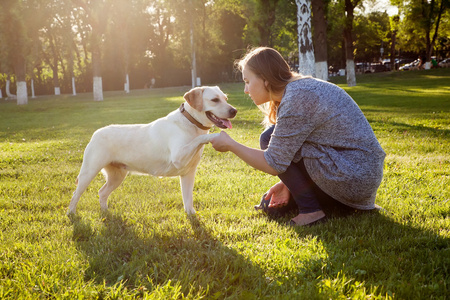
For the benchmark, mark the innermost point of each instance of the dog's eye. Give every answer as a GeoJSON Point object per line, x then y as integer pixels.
{"type": "Point", "coordinates": [215, 100]}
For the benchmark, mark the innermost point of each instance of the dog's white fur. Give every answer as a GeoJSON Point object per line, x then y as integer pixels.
{"type": "Point", "coordinates": [170, 146]}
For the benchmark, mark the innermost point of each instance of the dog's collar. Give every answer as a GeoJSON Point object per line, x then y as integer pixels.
{"type": "Point", "coordinates": [191, 119]}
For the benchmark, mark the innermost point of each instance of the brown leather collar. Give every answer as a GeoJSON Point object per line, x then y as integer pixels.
{"type": "Point", "coordinates": [191, 119]}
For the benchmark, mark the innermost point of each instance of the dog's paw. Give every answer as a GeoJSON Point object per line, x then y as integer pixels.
{"type": "Point", "coordinates": [190, 211]}
{"type": "Point", "coordinates": [211, 136]}
{"type": "Point", "coordinates": [73, 217]}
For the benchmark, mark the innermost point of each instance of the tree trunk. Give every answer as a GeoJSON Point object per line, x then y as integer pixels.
{"type": "Point", "coordinates": [55, 77]}
{"type": "Point", "coordinates": [96, 67]}
{"type": "Point", "coordinates": [193, 57]}
{"type": "Point", "coordinates": [8, 88]}
{"type": "Point", "coordinates": [32, 89]}
{"type": "Point", "coordinates": [348, 29]}
{"type": "Point", "coordinates": [432, 41]}
{"type": "Point", "coordinates": [98, 88]}
{"type": "Point", "coordinates": [127, 84]}
{"type": "Point", "coordinates": [72, 75]}
{"type": "Point", "coordinates": [22, 94]}
{"type": "Point", "coordinates": [19, 68]}
{"type": "Point", "coordinates": [126, 57]}
{"type": "Point", "coordinates": [268, 11]}
{"type": "Point", "coordinates": [393, 40]}
{"type": "Point", "coordinates": [320, 39]}
{"type": "Point", "coordinates": [74, 90]}
{"type": "Point", "coordinates": [305, 43]}
{"type": "Point", "coordinates": [54, 66]}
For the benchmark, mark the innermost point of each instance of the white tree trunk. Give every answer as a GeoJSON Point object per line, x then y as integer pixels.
{"type": "Point", "coordinates": [32, 89]}
{"type": "Point", "coordinates": [22, 94]}
{"type": "Point", "coordinates": [322, 70]}
{"type": "Point", "coordinates": [57, 91]}
{"type": "Point", "coordinates": [98, 89]}
{"type": "Point", "coordinates": [305, 43]}
{"type": "Point", "coordinates": [350, 70]}
{"type": "Point", "coordinates": [127, 84]}
{"type": "Point", "coordinates": [74, 90]}
{"type": "Point", "coordinates": [1, 95]}
{"type": "Point", "coordinates": [8, 90]}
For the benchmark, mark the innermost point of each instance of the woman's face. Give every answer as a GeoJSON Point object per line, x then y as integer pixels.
{"type": "Point", "coordinates": [255, 87]}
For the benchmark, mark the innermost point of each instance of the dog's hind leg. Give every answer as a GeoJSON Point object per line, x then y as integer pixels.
{"type": "Point", "coordinates": [187, 186]}
{"type": "Point", "coordinates": [84, 178]}
{"type": "Point", "coordinates": [114, 177]}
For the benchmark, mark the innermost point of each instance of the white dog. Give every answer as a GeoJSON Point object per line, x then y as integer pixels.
{"type": "Point", "coordinates": [170, 146]}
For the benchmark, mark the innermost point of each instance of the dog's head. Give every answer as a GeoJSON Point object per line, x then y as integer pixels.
{"type": "Point", "coordinates": [210, 106]}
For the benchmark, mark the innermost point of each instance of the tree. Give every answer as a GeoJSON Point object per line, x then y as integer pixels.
{"type": "Point", "coordinates": [305, 44]}
{"type": "Point", "coordinates": [15, 44]}
{"type": "Point", "coordinates": [394, 20]}
{"type": "Point", "coordinates": [371, 32]}
{"type": "Point", "coordinates": [348, 38]}
{"type": "Point", "coordinates": [320, 38]}
{"type": "Point", "coordinates": [65, 21]}
{"type": "Point", "coordinates": [266, 9]}
{"type": "Point", "coordinates": [335, 35]}
{"type": "Point", "coordinates": [120, 45]}
{"type": "Point", "coordinates": [421, 23]}
{"type": "Point", "coordinates": [96, 15]}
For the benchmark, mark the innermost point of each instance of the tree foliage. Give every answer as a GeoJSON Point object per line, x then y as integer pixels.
{"type": "Point", "coordinates": [52, 41]}
{"type": "Point", "coordinates": [422, 26]}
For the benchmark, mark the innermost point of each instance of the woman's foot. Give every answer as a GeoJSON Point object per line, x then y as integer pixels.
{"type": "Point", "coordinates": [308, 218]}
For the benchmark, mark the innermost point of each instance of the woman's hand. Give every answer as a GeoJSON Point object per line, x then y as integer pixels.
{"type": "Point", "coordinates": [222, 142]}
{"type": "Point", "coordinates": [280, 195]}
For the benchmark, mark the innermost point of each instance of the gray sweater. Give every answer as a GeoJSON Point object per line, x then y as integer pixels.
{"type": "Point", "coordinates": [320, 123]}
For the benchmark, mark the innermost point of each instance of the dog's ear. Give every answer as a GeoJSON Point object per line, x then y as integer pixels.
{"type": "Point", "coordinates": [195, 98]}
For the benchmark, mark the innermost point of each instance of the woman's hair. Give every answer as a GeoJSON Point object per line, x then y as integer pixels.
{"type": "Point", "coordinates": [268, 64]}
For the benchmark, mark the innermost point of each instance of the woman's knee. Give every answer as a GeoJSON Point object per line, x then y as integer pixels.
{"type": "Point", "coordinates": [264, 138]}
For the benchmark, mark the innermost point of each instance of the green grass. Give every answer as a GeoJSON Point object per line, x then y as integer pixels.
{"type": "Point", "coordinates": [147, 247]}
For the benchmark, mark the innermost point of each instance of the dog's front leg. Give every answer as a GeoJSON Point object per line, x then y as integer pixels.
{"type": "Point", "coordinates": [187, 152]}
{"type": "Point", "coordinates": [187, 187]}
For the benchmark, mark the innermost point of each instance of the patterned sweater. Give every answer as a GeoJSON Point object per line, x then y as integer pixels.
{"type": "Point", "coordinates": [320, 123]}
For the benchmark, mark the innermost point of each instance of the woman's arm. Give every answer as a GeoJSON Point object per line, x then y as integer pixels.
{"type": "Point", "coordinates": [253, 157]}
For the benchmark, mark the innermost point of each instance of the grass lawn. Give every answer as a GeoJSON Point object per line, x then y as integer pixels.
{"type": "Point", "coordinates": [147, 247]}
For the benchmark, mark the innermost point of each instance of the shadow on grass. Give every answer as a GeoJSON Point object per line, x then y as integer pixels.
{"type": "Point", "coordinates": [388, 257]}
{"type": "Point", "coordinates": [403, 127]}
{"type": "Point", "coordinates": [192, 259]}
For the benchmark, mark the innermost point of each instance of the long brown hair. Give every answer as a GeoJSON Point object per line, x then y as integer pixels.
{"type": "Point", "coordinates": [268, 64]}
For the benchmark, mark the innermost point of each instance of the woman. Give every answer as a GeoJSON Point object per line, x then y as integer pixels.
{"type": "Point", "coordinates": [318, 143]}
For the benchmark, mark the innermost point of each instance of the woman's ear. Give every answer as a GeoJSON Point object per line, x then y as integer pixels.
{"type": "Point", "coordinates": [266, 85]}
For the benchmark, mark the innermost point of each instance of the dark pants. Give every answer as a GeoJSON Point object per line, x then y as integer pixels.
{"type": "Point", "coordinates": [306, 194]}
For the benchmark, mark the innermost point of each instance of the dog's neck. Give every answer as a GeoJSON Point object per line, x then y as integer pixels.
{"type": "Point", "coordinates": [191, 119]}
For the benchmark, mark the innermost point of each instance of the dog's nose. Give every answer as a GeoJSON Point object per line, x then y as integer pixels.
{"type": "Point", "coordinates": [233, 112]}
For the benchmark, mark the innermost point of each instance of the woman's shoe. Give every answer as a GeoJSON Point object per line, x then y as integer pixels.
{"type": "Point", "coordinates": [308, 219]}
{"type": "Point", "coordinates": [278, 211]}
{"type": "Point", "coordinates": [264, 205]}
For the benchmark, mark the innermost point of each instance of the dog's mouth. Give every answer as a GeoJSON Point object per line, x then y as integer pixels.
{"type": "Point", "coordinates": [221, 123]}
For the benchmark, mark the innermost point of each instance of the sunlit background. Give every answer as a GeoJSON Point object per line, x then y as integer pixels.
{"type": "Point", "coordinates": [147, 44]}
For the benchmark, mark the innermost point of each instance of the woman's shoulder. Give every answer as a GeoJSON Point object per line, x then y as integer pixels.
{"type": "Point", "coordinates": [308, 82]}
{"type": "Point", "coordinates": [302, 87]}
{"type": "Point", "coordinates": [315, 88]}
{"type": "Point", "coordinates": [299, 95]}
